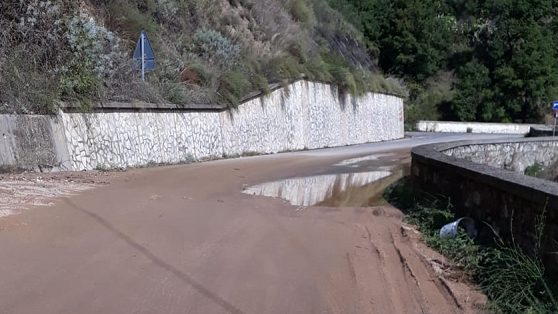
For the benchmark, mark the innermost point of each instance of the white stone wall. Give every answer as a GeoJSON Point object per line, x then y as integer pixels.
{"type": "Point", "coordinates": [515, 156]}
{"type": "Point", "coordinates": [310, 115]}
{"type": "Point", "coordinates": [475, 127]}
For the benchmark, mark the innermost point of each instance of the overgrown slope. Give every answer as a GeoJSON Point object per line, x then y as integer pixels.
{"type": "Point", "coordinates": [210, 51]}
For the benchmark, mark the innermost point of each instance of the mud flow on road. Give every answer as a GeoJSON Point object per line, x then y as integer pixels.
{"type": "Point", "coordinates": [186, 239]}
{"type": "Point", "coordinates": [353, 188]}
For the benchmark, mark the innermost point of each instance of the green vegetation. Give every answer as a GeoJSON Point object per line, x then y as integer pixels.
{"type": "Point", "coordinates": [535, 170]}
{"type": "Point", "coordinates": [207, 51]}
{"type": "Point", "coordinates": [541, 171]}
{"type": "Point", "coordinates": [492, 61]}
{"type": "Point", "coordinates": [513, 281]}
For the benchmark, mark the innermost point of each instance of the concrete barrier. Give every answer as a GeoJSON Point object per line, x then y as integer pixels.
{"type": "Point", "coordinates": [507, 201]}
{"type": "Point", "coordinates": [473, 127]}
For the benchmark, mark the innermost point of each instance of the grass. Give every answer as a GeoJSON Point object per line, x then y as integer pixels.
{"type": "Point", "coordinates": [300, 11]}
{"type": "Point", "coordinates": [536, 170]}
{"type": "Point", "coordinates": [233, 86]}
{"type": "Point", "coordinates": [240, 48]}
{"type": "Point", "coordinates": [513, 281]}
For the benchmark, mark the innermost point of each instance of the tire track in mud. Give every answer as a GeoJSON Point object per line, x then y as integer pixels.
{"type": "Point", "coordinates": [403, 280]}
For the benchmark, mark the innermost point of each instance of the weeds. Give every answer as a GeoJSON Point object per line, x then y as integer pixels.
{"type": "Point", "coordinates": [300, 11]}
{"type": "Point", "coordinates": [233, 86]}
{"type": "Point", "coordinates": [536, 170]}
{"type": "Point", "coordinates": [208, 51]}
{"type": "Point", "coordinates": [260, 82]}
{"type": "Point", "coordinates": [513, 281]}
{"type": "Point", "coordinates": [516, 283]}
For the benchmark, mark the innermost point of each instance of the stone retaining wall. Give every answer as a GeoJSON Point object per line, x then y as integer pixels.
{"type": "Point", "coordinates": [308, 116]}
{"type": "Point", "coordinates": [508, 201]}
{"type": "Point", "coordinates": [473, 127]}
{"type": "Point", "coordinates": [515, 156]}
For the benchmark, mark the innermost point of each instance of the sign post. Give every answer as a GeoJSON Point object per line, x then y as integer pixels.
{"type": "Point", "coordinates": [142, 38]}
{"type": "Point", "coordinates": [144, 57]}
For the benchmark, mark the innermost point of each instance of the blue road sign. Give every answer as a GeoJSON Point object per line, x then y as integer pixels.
{"type": "Point", "coordinates": [144, 49]}
{"type": "Point", "coordinates": [555, 105]}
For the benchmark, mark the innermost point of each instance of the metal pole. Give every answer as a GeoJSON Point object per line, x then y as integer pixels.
{"type": "Point", "coordinates": [142, 57]}
{"type": "Point", "coordinates": [554, 129]}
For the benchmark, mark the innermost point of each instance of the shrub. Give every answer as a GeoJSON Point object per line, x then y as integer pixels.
{"type": "Point", "coordinates": [283, 68]}
{"type": "Point", "coordinates": [233, 86]}
{"type": "Point", "coordinates": [195, 74]}
{"type": "Point", "coordinates": [535, 170]}
{"type": "Point", "coordinates": [129, 21]}
{"type": "Point", "coordinates": [317, 69]}
{"type": "Point", "coordinates": [95, 51]}
{"type": "Point", "coordinates": [216, 47]}
{"type": "Point", "coordinates": [71, 57]}
{"type": "Point", "coordinates": [260, 82]}
{"type": "Point", "coordinates": [166, 10]}
{"type": "Point", "coordinates": [300, 11]}
{"type": "Point", "coordinates": [176, 93]}
{"type": "Point", "coordinates": [343, 78]}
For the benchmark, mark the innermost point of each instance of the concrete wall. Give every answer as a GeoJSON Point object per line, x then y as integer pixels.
{"type": "Point", "coordinates": [30, 142]}
{"type": "Point", "coordinates": [310, 115]}
{"type": "Point", "coordinates": [508, 201]}
{"type": "Point", "coordinates": [475, 127]}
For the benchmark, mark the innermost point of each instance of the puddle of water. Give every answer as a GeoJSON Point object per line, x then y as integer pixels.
{"type": "Point", "coordinates": [367, 195]}
{"type": "Point", "coordinates": [6, 212]}
{"type": "Point", "coordinates": [361, 159]}
{"type": "Point", "coordinates": [339, 190]}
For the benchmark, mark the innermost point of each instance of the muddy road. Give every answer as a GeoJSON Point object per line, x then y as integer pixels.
{"type": "Point", "coordinates": [205, 238]}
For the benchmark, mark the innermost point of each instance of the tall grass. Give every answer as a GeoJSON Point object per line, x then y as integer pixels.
{"type": "Point", "coordinates": [514, 281]}
{"type": "Point", "coordinates": [81, 51]}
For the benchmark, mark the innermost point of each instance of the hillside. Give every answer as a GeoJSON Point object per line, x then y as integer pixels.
{"type": "Point", "coordinates": [494, 60]}
{"type": "Point", "coordinates": [208, 51]}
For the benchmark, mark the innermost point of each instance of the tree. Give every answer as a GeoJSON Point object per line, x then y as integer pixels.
{"type": "Point", "coordinates": [521, 55]}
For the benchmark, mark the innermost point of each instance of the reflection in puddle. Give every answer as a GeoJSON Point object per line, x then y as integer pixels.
{"type": "Point", "coordinates": [348, 162]}
{"type": "Point", "coordinates": [353, 189]}
{"type": "Point", "coordinates": [367, 195]}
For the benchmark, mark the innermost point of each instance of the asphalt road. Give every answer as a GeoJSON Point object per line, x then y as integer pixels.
{"type": "Point", "coordinates": [184, 239]}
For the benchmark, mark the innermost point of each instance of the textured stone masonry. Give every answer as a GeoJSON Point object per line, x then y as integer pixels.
{"type": "Point", "coordinates": [515, 156]}
{"type": "Point", "coordinates": [308, 116]}
{"type": "Point", "coordinates": [474, 175]}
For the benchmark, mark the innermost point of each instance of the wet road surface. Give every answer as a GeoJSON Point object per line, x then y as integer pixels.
{"type": "Point", "coordinates": [186, 239]}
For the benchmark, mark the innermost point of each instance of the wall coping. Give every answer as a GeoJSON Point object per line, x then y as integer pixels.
{"type": "Point", "coordinates": [531, 188]}
{"type": "Point", "coordinates": [112, 106]}
{"type": "Point", "coordinates": [481, 123]}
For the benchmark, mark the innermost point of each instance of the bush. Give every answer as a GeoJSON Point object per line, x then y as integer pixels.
{"type": "Point", "coordinates": [283, 68]}
{"type": "Point", "coordinates": [536, 170]}
{"type": "Point", "coordinates": [216, 47]}
{"type": "Point", "coordinates": [95, 51]}
{"type": "Point", "coordinates": [316, 69]}
{"type": "Point", "coordinates": [300, 11]}
{"type": "Point", "coordinates": [196, 74]}
{"type": "Point", "coordinates": [126, 19]}
{"type": "Point", "coordinates": [260, 82]}
{"type": "Point", "coordinates": [166, 10]}
{"type": "Point", "coordinates": [233, 86]}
